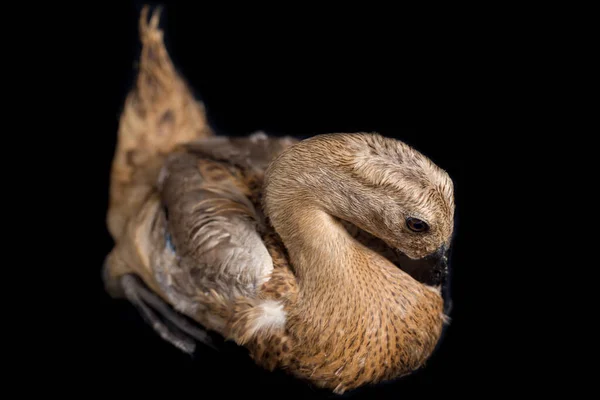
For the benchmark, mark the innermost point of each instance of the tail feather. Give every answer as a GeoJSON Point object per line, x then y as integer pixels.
{"type": "Point", "coordinates": [160, 113]}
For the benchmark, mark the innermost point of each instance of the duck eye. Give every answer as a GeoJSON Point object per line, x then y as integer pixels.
{"type": "Point", "coordinates": [416, 225]}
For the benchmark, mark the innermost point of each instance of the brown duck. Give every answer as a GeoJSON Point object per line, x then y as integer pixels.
{"type": "Point", "coordinates": [303, 251]}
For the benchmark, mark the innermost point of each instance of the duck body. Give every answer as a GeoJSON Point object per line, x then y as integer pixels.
{"type": "Point", "coordinates": [274, 243]}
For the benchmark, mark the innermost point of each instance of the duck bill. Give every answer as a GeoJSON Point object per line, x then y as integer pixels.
{"type": "Point", "coordinates": [431, 270]}
{"type": "Point", "coordinates": [437, 265]}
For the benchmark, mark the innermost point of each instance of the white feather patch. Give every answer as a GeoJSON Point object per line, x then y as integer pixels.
{"type": "Point", "coordinates": [272, 316]}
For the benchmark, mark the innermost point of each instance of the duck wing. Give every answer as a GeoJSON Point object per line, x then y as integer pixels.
{"type": "Point", "coordinates": [214, 226]}
{"type": "Point", "coordinates": [203, 239]}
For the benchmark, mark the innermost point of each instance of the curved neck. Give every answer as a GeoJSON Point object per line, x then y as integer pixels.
{"type": "Point", "coordinates": [322, 252]}
{"type": "Point", "coordinates": [305, 194]}
{"type": "Point", "coordinates": [318, 245]}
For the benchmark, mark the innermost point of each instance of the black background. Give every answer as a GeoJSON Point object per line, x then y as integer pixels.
{"type": "Point", "coordinates": [295, 73]}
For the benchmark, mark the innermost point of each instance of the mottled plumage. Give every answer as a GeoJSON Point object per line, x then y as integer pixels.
{"type": "Point", "coordinates": [286, 247]}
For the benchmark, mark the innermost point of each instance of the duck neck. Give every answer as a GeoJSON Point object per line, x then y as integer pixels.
{"type": "Point", "coordinates": [318, 245]}
{"type": "Point", "coordinates": [306, 195]}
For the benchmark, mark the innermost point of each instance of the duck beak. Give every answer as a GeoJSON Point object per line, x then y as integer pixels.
{"type": "Point", "coordinates": [431, 270]}
{"type": "Point", "coordinates": [437, 266]}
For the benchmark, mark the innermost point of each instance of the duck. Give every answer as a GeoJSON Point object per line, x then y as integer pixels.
{"type": "Point", "coordinates": [322, 257]}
